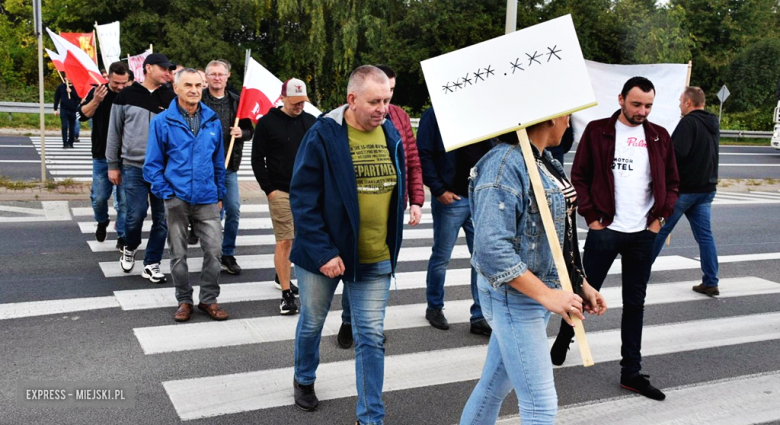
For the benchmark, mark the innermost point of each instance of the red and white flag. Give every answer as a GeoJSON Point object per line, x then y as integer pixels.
{"type": "Point", "coordinates": [262, 91]}
{"type": "Point", "coordinates": [56, 60]}
{"type": "Point", "coordinates": [136, 64]}
{"type": "Point", "coordinates": [79, 67]}
{"type": "Point", "coordinates": [84, 41]}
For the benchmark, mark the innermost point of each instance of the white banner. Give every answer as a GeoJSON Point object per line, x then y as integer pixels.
{"type": "Point", "coordinates": [607, 81]}
{"type": "Point", "coordinates": [136, 64]}
{"type": "Point", "coordinates": [108, 37]}
{"type": "Point", "coordinates": [508, 83]}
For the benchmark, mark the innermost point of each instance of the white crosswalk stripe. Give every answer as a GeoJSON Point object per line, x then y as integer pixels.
{"type": "Point", "coordinates": [258, 390]}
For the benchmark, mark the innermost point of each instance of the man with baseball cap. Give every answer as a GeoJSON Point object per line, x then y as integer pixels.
{"type": "Point", "coordinates": [277, 138]}
{"type": "Point", "coordinates": [128, 129]}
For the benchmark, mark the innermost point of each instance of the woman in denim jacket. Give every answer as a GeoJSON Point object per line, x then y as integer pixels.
{"type": "Point", "coordinates": [517, 280]}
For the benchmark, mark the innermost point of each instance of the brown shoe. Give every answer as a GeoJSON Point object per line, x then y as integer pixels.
{"type": "Point", "coordinates": [183, 313]}
{"type": "Point", "coordinates": [214, 310]}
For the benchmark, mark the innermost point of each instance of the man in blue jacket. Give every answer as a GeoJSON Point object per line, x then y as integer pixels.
{"type": "Point", "coordinates": [347, 195]}
{"type": "Point", "coordinates": [185, 165]}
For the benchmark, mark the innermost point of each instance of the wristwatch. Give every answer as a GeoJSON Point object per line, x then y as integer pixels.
{"type": "Point", "coordinates": [662, 221]}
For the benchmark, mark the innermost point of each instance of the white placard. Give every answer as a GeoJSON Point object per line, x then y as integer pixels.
{"type": "Point", "coordinates": [508, 83]}
{"type": "Point", "coordinates": [607, 81]}
{"type": "Point", "coordinates": [108, 36]}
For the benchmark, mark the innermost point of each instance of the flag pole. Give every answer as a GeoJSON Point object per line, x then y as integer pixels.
{"type": "Point", "coordinates": [230, 147]}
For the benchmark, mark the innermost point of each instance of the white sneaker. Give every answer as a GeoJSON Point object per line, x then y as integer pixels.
{"type": "Point", "coordinates": [153, 273]}
{"type": "Point", "coordinates": [127, 260]}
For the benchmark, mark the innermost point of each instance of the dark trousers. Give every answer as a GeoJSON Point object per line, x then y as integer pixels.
{"type": "Point", "coordinates": [68, 121]}
{"type": "Point", "coordinates": [636, 251]}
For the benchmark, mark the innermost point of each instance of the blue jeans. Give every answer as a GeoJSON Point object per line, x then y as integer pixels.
{"type": "Point", "coordinates": [698, 208]}
{"type": "Point", "coordinates": [368, 299]}
{"type": "Point", "coordinates": [231, 211]}
{"type": "Point", "coordinates": [447, 222]}
{"type": "Point", "coordinates": [636, 250]}
{"type": "Point", "coordinates": [68, 124]}
{"type": "Point", "coordinates": [517, 358]}
{"type": "Point", "coordinates": [138, 196]}
{"type": "Point", "coordinates": [101, 192]}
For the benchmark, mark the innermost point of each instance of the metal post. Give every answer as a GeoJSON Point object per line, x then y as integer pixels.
{"type": "Point", "coordinates": [39, 33]}
{"type": "Point", "coordinates": [720, 112]}
{"type": "Point", "coordinates": [511, 16]}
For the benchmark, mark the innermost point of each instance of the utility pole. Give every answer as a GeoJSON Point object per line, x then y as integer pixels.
{"type": "Point", "coordinates": [511, 16]}
{"type": "Point", "coordinates": [38, 30]}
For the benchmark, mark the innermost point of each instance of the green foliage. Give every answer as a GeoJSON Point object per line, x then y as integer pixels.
{"type": "Point", "coordinates": [755, 120]}
{"type": "Point", "coordinates": [753, 75]}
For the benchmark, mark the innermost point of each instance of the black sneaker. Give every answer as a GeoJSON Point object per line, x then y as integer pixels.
{"type": "Point", "coordinates": [481, 327]}
{"type": "Point", "coordinates": [345, 336]}
{"type": "Point", "coordinates": [229, 264]}
{"type": "Point", "coordinates": [100, 233]}
{"type": "Point", "coordinates": [706, 290]}
{"type": "Point", "coordinates": [120, 244]}
{"type": "Point", "coordinates": [192, 238]}
{"type": "Point", "coordinates": [304, 395]}
{"type": "Point", "coordinates": [436, 318]}
{"type": "Point", "coordinates": [278, 285]}
{"type": "Point", "coordinates": [641, 384]}
{"type": "Point", "coordinates": [288, 305]}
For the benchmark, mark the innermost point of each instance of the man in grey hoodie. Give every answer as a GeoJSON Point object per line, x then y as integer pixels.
{"type": "Point", "coordinates": [696, 150]}
{"type": "Point", "coordinates": [128, 129]}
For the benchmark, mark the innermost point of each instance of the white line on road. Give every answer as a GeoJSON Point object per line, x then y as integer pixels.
{"type": "Point", "coordinates": [266, 389]}
{"type": "Point", "coordinates": [195, 336]}
{"type": "Point", "coordinates": [43, 308]}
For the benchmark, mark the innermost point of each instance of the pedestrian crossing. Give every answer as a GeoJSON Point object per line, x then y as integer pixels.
{"type": "Point", "coordinates": [76, 163]}
{"type": "Point", "coordinates": [428, 371]}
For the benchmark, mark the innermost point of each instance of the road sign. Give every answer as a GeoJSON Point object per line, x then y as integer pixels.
{"type": "Point", "coordinates": [723, 93]}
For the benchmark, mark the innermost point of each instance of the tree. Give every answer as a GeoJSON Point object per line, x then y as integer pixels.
{"type": "Point", "coordinates": [753, 75]}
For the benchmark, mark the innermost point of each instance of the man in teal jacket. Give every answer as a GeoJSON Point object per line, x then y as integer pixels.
{"type": "Point", "coordinates": [347, 201]}
{"type": "Point", "coordinates": [185, 165]}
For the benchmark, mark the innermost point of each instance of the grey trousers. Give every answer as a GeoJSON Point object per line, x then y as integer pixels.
{"type": "Point", "coordinates": [208, 228]}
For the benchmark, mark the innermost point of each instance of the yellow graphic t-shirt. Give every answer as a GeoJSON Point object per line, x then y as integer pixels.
{"type": "Point", "coordinates": [376, 180]}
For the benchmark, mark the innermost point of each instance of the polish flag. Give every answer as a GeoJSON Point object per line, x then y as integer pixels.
{"type": "Point", "coordinates": [56, 60]}
{"type": "Point", "coordinates": [78, 66]}
{"type": "Point", "coordinates": [260, 86]}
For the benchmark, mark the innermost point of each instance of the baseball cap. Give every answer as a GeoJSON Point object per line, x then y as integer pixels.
{"type": "Point", "coordinates": [295, 90]}
{"type": "Point", "coordinates": [159, 59]}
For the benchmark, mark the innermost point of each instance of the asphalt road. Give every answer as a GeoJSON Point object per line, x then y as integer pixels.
{"type": "Point", "coordinates": [53, 279]}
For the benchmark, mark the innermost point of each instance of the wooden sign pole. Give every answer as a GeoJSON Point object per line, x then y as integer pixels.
{"type": "Point", "coordinates": [552, 240]}
{"type": "Point", "coordinates": [230, 147]}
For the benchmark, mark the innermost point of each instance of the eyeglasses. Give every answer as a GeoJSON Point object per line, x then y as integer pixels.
{"type": "Point", "coordinates": [215, 75]}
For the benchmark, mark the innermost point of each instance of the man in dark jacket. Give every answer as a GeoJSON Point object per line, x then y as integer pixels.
{"type": "Point", "coordinates": [66, 105]}
{"type": "Point", "coordinates": [278, 136]}
{"type": "Point", "coordinates": [97, 106]}
{"type": "Point", "coordinates": [128, 130]}
{"type": "Point", "coordinates": [696, 150]}
{"type": "Point", "coordinates": [346, 196]}
{"type": "Point", "coordinates": [447, 176]}
{"type": "Point", "coordinates": [225, 104]}
{"type": "Point", "coordinates": [185, 165]}
{"type": "Point", "coordinates": [626, 181]}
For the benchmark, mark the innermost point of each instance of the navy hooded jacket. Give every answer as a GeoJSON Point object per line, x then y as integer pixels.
{"type": "Point", "coordinates": [324, 199]}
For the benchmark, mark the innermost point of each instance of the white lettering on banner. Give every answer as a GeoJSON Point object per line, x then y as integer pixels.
{"type": "Point", "coordinates": [508, 83]}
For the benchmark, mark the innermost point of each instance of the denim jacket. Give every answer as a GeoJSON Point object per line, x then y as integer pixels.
{"type": "Point", "coordinates": [509, 235]}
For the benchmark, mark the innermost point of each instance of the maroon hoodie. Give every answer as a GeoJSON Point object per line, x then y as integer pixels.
{"type": "Point", "coordinates": [591, 173]}
{"type": "Point", "coordinates": [415, 193]}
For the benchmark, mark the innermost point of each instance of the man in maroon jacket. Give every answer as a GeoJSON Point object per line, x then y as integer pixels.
{"type": "Point", "coordinates": [414, 193]}
{"type": "Point", "coordinates": [626, 179]}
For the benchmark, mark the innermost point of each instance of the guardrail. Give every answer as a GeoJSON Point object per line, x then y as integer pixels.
{"type": "Point", "coordinates": [746, 134]}
{"type": "Point", "coordinates": [25, 108]}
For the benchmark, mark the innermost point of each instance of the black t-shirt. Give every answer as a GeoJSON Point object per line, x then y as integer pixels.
{"type": "Point", "coordinates": [100, 121]}
{"type": "Point", "coordinates": [465, 159]}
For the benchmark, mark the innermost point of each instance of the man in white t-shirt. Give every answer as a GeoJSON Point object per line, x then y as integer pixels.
{"type": "Point", "coordinates": [626, 179]}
